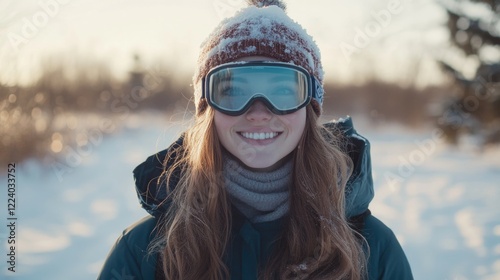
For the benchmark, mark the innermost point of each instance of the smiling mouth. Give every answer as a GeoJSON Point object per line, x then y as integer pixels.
{"type": "Point", "coordinates": [259, 135]}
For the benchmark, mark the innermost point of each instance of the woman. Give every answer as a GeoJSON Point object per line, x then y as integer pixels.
{"type": "Point", "coordinates": [256, 188]}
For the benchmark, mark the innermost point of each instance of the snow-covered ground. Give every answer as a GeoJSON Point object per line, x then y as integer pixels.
{"type": "Point", "coordinates": [441, 202]}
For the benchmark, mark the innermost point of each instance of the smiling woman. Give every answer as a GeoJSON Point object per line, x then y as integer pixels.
{"type": "Point", "coordinates": [257, 188]}
{"type": "Point", "coordinates": [258, 138]}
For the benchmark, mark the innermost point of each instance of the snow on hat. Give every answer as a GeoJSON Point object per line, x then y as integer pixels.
{"type": "Point", "coordinates": [261, 29]}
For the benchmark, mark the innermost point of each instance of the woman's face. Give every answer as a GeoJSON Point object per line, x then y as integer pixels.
{"type": "Point", "coordinates": [258, 137]}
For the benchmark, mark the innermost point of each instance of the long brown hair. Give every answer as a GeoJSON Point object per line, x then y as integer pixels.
{"type": "Point", "coordinates": [316, 242]}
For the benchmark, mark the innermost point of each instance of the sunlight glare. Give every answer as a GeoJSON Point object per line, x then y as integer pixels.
{"type": "Point", "coordinates": [57, 143]}
{"type": "Point", "coordinates": [12, 98]}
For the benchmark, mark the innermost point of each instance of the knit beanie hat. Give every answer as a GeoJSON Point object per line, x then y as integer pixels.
{"type": "Point", "coordinates": [261, 29]}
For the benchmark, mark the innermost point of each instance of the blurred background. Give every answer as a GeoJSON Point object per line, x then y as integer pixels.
{"type": "Point", "coordinates": [89, 89]}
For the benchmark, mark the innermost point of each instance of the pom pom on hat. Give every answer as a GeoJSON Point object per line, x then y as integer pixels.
{"type": "Point", "coordinates": [262, 29]}
{"type": "Point", "coordinates": [264, 3]}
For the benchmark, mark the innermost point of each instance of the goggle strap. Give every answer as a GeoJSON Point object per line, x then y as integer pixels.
{"type": "Point", "coordinates": [318, 91]}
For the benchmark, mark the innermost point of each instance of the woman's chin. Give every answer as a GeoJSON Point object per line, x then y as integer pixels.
{"type": "Point", "coordinates": [263, 164]}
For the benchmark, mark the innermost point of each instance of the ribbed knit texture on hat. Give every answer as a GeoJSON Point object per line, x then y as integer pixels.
{"type": "Point", "coordinates": [263, 29]}
{"type": "Point", "coordinates": [260, 196]}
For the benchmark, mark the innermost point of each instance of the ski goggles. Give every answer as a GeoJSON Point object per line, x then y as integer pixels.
{"type": "Point", "coordinates": [284, 88]}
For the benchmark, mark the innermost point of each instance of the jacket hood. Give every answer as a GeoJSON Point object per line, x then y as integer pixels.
{"type": "Point", "coordinates": [152, 190]}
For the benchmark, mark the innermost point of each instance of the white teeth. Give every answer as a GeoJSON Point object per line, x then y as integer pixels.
{"type": "Point", "coordinates": [259, 136]}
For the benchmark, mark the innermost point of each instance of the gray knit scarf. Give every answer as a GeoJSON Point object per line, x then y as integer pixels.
{"type": "Point", "coordinates": [260, 196]}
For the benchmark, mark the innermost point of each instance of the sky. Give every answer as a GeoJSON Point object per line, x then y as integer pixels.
{"type": "Point", "coordinates": [393, 39]}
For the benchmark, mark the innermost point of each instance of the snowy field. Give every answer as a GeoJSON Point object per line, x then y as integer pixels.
{"type": "Point", "coordinates": [442, 203]}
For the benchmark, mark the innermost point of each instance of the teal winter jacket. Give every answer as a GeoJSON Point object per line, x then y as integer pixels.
{"type": "Point", "coordinates": [252, 243]}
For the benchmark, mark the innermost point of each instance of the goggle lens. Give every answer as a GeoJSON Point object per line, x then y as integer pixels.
{"type": "Point", "coordinates": [232, 88]}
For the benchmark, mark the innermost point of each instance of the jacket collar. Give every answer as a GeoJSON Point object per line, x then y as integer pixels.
{"type": "Point", "coordinates": [152, 192]}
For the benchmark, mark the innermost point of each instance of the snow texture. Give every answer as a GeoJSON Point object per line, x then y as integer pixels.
{"type": "Point", "coordinates": [258, 23]}
{"type": "Point", "coordinates": [443, 204]}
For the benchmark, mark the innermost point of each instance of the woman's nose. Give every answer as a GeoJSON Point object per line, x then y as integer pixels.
{"type": "Point", "coordinates": [258, 111]}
